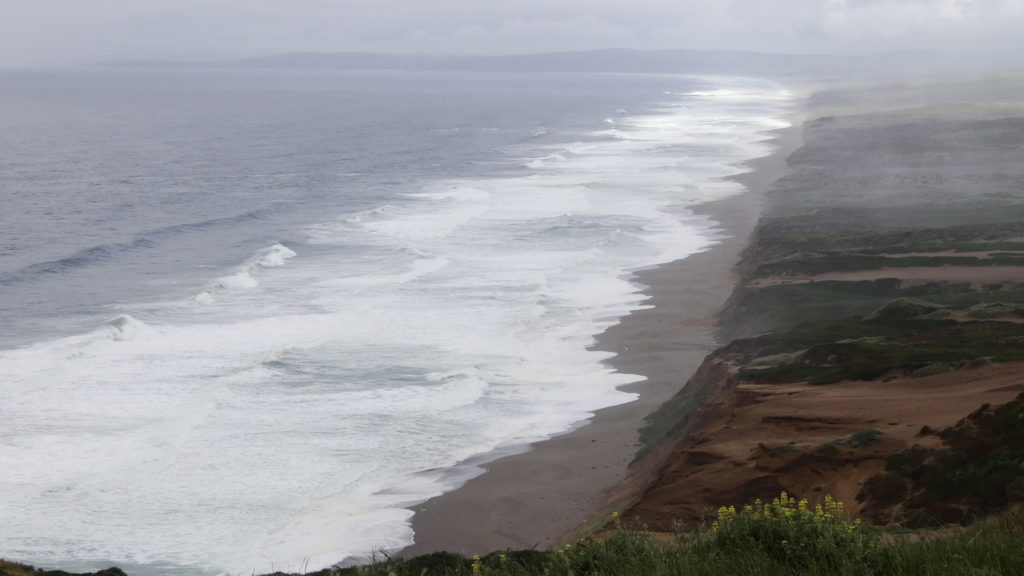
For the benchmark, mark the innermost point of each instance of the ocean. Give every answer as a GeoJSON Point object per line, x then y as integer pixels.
{"type": "Point", "coordinates": [249, 318]}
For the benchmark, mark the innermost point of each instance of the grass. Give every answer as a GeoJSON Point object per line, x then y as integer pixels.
{"type": "Point", "coordinates": [865, 350]}
{"type": "Point", "coordinates": [668, 418]}
{"type": "Point", "coordinates": [785, 537]}
{"type": "Point", "coordinates": [781, 538]}
{"type": "Point", "coordinates": [839, 262]}
{"type": "Point", "coordinates": [678, 411]}
{"type": "Point", "coordinates": [782, 307]}
{"type": "Point", "coordinates": [826, 241]}
{"type": "Point", "coordinates": [990, 548]}
{"type": "Point", "coordinates": [838, 231]}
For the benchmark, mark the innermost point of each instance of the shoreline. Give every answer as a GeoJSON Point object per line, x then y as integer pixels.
{"type": "Point", "coordinates": [537, 497]}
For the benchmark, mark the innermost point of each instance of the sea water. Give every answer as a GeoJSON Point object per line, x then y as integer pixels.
{"type": "Point", "coordinates": [248, 319]}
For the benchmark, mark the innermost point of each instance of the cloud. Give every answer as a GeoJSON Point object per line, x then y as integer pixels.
{"type": "Point", "coordinates": [45, 32]}
{"type": "Point", "coordinates": [954, 25]}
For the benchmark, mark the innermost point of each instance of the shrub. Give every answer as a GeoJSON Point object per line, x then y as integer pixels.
{"type": "Point", "coordinates": [932, 369]}
{"type": "Point", "coordinates": [791, 532]}
{"type": "Point", "coordinates": [865, 438]}
{"type": "Point", "coordinates": [831, 448]}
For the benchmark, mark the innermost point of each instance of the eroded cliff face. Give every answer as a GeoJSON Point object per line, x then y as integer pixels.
{"type": "Point", "coordinates": [748, 441]}
{"type": "Point", "coordinates": [881, 301]}
{"type": "Point", "coordinates": [690, 410]}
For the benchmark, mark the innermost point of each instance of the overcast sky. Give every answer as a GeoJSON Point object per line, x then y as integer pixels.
{"type": "Point", "coordinates": [62, 32]}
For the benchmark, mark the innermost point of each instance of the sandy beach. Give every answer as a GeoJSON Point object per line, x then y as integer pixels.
{"type": "Point", "coordinates": [534, 499]}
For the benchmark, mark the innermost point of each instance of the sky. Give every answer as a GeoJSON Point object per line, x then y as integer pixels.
{"type": "Point", "coordinates": [42, 33]}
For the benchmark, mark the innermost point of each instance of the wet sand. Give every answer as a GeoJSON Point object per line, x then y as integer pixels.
{"type": "Point", "coordinates": [535, 499]}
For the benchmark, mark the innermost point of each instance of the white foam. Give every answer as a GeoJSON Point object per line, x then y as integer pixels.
{"type": "Point", "coordinates": [466, 191]}
{"type": "Point", "coordinates": [543, 161]}
{"type": "Point", "coordinates": [245, 277]}
{"type": "Point", "coordinates": [379, 212]}
{"type": "Point", "coordinates": [286, 422]}
{"type": "Point", "coordinates": [612, 133]}
{"type": "Point", "coordinates": [274, 256]}
{"type": "Point", "coordinates": [359, 279]}
{"type": "Point", "coordinates": [124, 327]}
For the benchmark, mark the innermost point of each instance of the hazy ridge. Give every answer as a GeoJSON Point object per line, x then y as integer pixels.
{"type": "Point", "coordinates": [902, 64]}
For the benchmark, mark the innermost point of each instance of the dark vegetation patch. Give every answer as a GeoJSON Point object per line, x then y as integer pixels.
{"type": "Point", "coordinates": [864, 438]}
{"type": "Point", "coordinates": [859, 439]}
{"type": "Point", "coordinates": [870, 349]}
{"type": "Point", "coordinates": [978, 471]}
{"type": "Point", "coordinates": [683, 408]}
{"type": "Point", "coordinates": [782, 307]}
{"type": "Point", "coordinates": [809, 264]}
{"type": "Point", "coordinates": [16, 569]}
{"type": "Point", "coordinates": [783, 237]}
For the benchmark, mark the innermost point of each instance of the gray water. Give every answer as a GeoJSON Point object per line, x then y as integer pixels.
{"type": "Point", "coordinates": [157, 179]}
{"type": "Point", "coordinates": [248, 318]}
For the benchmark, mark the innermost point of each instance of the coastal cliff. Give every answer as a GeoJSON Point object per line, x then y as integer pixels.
{"type": "Point", "coordinates": [873, 343]}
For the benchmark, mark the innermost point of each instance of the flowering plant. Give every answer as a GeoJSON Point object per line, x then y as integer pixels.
{"type": "Point", "coordinates": [794, 532]}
